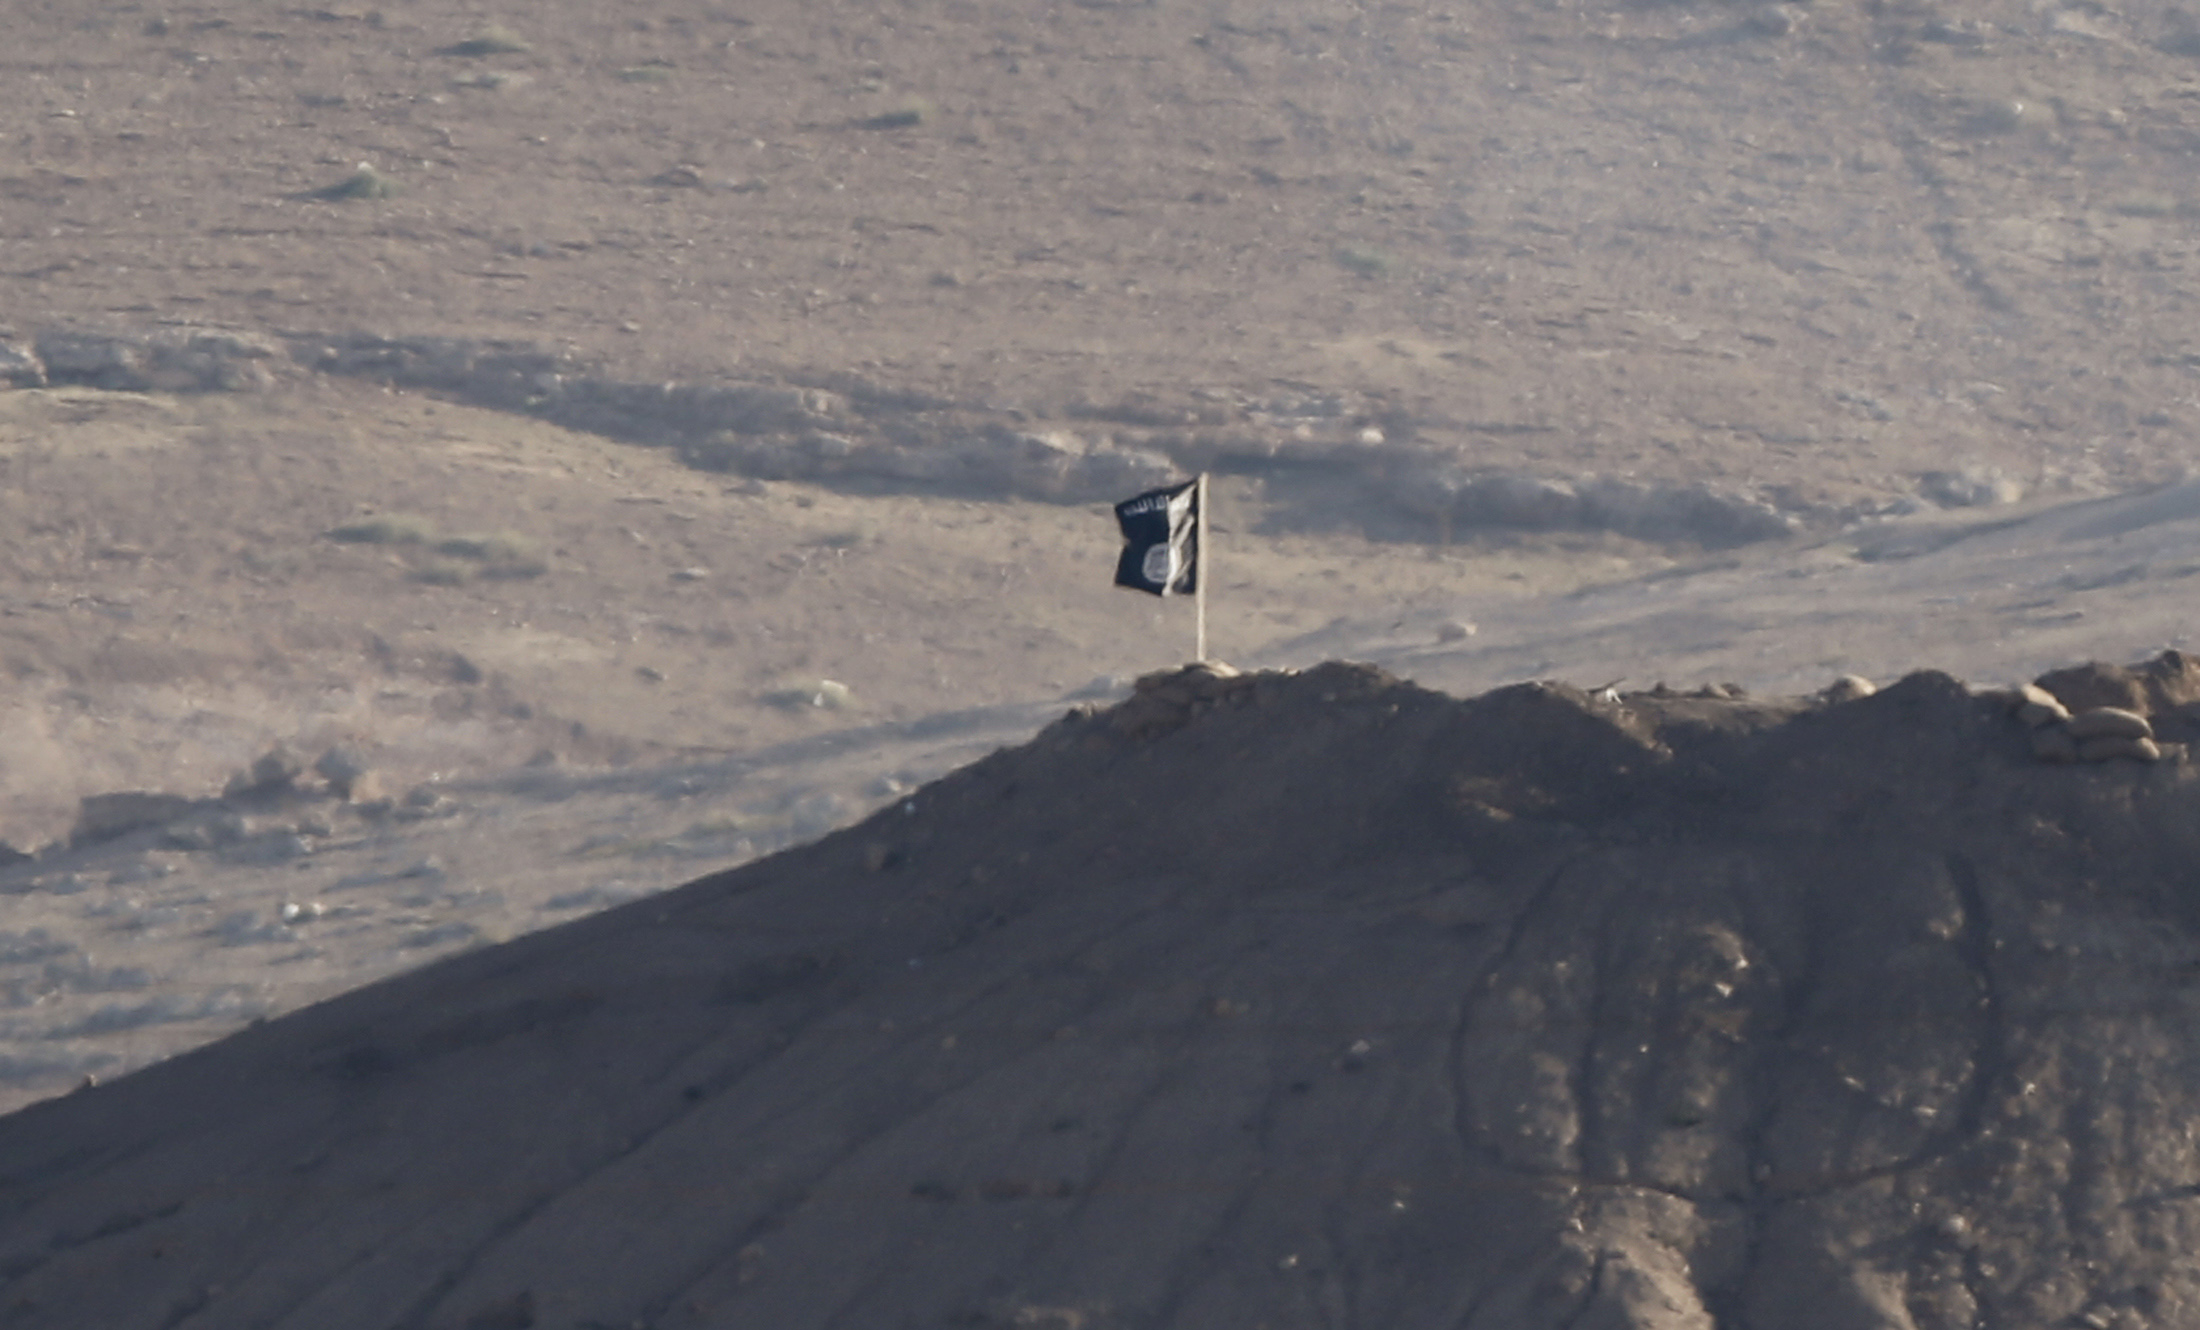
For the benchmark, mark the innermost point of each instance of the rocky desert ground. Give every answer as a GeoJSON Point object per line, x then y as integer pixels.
{"type": "Point", "coordinates": [464, 469]}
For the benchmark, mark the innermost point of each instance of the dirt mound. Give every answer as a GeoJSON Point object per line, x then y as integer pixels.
{"type": "Point", "coordinates": [1273, 999]}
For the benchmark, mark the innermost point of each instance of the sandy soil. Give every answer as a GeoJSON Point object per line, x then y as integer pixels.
{"type": "Point", "coordinates": [177, 601]}
{"type": "Point", "coordinates": [635, 684]}
{"type": "Point", "coordinates": [1878, 259]}
{"type": "Point", "coordinates": [1815, 253]}
{"type": "Point", "coordinates": [121, 952]}
{"type": "Point", "coordinates": [1823, 248]}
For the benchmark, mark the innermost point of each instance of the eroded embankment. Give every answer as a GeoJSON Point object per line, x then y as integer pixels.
{"type": "Point", "coordinates": [1289, 999]}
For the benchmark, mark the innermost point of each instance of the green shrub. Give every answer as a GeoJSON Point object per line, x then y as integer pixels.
{"type": "Point", "coordinates": [364, 183]}
{"type": "Point", "coordinates": [1365, 262]}
{"type": "Point", "coordinates": [495, 39]}
{"type": "Point", "coordinates": [906, 116]}
{"type": "Point", "coordinates": [391, 530]}
{"type": "Point", "coordinates": [500, 555]}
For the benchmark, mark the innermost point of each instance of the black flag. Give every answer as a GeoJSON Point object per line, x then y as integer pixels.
{"type": "Point", "coordinates": [1160, 541]}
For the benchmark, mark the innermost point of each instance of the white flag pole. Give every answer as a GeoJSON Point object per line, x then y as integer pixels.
{"type": "Point", "coordinates": [1202, 569]}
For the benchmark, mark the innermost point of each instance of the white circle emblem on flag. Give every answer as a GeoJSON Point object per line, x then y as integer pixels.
{"type": "Point", "coordinates": [1160, 565]}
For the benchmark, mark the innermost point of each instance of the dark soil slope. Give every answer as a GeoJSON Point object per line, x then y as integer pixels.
{"type": "Point", "coordinates": [1286, 1000]}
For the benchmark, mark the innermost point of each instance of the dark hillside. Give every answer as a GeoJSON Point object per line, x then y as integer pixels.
{"type": "Point", "coordinates": [1311, 999]}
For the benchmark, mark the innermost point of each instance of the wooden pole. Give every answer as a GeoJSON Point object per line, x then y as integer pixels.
{"type": "Point", "coordinates": [1202, 570]}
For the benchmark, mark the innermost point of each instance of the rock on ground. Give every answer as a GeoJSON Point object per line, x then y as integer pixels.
{"type": "Point", "coordinates": [1290, 999]}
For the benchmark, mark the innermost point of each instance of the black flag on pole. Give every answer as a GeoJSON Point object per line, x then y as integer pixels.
{"type": "Point", "coordinates": [1160, 541]}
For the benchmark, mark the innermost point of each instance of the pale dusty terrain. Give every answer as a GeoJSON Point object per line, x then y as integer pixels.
{"type": "Point", "coordinates": [1825, 258]}
{"type": "Point", "coordinates": [1814, 250]}
{"type": "Point", "coordinates": [639, 710]}
{"type": "Point", "coordinates": [122, 952]}
{"type": "Point", "coordinates": [1913, 279]}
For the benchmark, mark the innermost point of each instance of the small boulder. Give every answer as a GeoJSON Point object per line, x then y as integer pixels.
{"type": "Point", "coordinates": [2115, 746]}
{"type": "Point", "coordinates": [1847, 688]}
{"type": "Point", "coordinates": [2035, 706]}
{"type": "Point", "coordinates": [2108, 723]}
{"type": "Point", "coordinates": [2037, 715]}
